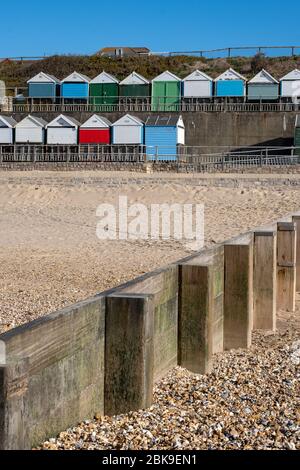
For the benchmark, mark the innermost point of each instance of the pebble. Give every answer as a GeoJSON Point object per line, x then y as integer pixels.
{"type": "Point", "coordinates": [251, 400]}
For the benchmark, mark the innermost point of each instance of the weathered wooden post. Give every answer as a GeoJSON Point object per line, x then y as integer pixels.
{"type": "Point", "coordinates": [200, 326]}
{"type": "Point", "coordinates": [286, 266]}
{"type": "Point", "coordinates": [238, 292]}
{"type": "Point", "coordinates": [128, 353]}
{"type": "Point", "coordinates": [296, 220]}
{"type": "Point", "coordinates": [14, 433]}
{"type": "Point", "coordinates": [264, 280]}
{"type": "Point", "coordinates": [195, 319]}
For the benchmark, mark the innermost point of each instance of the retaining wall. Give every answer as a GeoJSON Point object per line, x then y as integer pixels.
{"type": "Point", "coordinates": [166, 167]}
{"type": "Point", "coordinates": [104, 355]}
{"type": "Point", "coordinates": [217, 129]}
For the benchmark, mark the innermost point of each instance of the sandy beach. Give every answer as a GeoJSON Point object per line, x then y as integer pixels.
{"type": "Point", "coordinates": [50, 255]}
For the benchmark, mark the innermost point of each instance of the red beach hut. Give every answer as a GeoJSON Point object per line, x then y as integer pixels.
{"type": "Point", "coordinates": [96, 130]}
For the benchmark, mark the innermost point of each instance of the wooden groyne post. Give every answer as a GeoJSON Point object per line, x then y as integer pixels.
{"type": "Point", "coordinates": [238, 292]}
{"type": "Point", "coordinates": [200, 317]}
{"type": "Point", "coordinates": [265, 279]}
{"type": "Point", "coordinates": [286, 266]}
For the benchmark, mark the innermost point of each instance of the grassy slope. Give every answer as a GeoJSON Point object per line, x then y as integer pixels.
{"type": "Point", "coordinates": [17, 73]}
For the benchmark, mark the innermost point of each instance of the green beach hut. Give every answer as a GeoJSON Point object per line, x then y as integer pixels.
{"type": "Point", "coordinates": [135, 86]}
{"type": "Point", "coordinates": [263, 87]}
{"type": "Point", "coordinates": [104, 89]}
{"type": "Point", "coordinates": [166, 92]}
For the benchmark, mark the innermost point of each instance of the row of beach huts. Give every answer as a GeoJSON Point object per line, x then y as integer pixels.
{"type": "Point", "coordinates": [166, 88]}
{"type": "Point", "coordinates": [163, 132]}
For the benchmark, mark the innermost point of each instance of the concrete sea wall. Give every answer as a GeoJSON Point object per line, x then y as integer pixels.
{"type": "Point", "coordinates": [217, 129]}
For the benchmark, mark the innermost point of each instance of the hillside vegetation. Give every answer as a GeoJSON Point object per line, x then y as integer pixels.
{"type": "Point", "coordinates": [15, 74]}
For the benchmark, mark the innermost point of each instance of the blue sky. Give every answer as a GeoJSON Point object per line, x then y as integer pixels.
{"type": "Point", "coordinates": [36, 27]}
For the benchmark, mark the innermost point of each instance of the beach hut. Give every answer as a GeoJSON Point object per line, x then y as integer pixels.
{"type": "Point", "coordinates": [166, 92]}
{"type": "Point", "coordinates": [230, 84]}
{"type": "Point", "coordinates": [104, 89]}
{"type": "Point", "coordinates": [7, 125]}
{"type": "Point", "coordinates": [44, 86]}
{"type": "Point", "coordinates": [96, 130]}
{"type": "Point", "coordinates": [75, 86]}
{"type": "Point", "coordinates": [163, 136]}
{"type": "Point", "coordinates": [31, 130]}
{"type": "Point", "coordinates": [135, 86]}
{"type": "Point", "coordinates": [290, 85]}
{"type": "Point", "coordinates": [297, 135]}
{"type": "Point", "coordinates": [128, 130]}
{"type": "Point", "coordinates": [63, 130]}
{"type": "Point", "coordinates": [263, 87]}
{"type": "Point", "coordinates": [197, 85]}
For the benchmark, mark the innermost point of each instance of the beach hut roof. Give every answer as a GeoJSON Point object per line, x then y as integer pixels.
{"type": "Point", "coordinates": [294, 75]}
{"type": "Point", "coordinates": [263, 77]}
{"type": "Point", "coordinates": [63, 121]}
{"type": "Point", "coordinates": [8, 121]}
{"type": "Point", "coordinates": [128, 120]}
{"type": "Point", "coordinates": [164, 121]}
{"type": "Point", "coordinates": [44, 77]}
{"type": "Point", "coordinates": [76, 77]}
{"type": "Point", "coordinates": [35, 121]}
{"type": "Point", "coordinates": [230, 74]}
{"type": "Point", "coordinates": [104, 77]}
{"type": "Point", "coordinates": [166, 77]}
{"type": "Point", "coordinates": [96, 121]}
{"type": "Point", "coordinates": [134, 79]}
{"type": "Point", "coordinates": [196, 76]}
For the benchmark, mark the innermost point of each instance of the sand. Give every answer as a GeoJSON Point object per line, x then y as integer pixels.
{"type": "Point", "coordinates": [50, 255]}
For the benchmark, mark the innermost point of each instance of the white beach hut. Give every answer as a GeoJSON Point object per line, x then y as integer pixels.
{"type": "Point", "coordinates": [197, 85]}
{"type": "Point", "coordinates": [290, 84]}
{"type": "Point", "coordinates": [63, 130]}
{"type": "Point", "coordinates": [7, 125]}
{"type": "Point", "coordinates": [128, 130]}
{"type": "Point", "coordinates": [31, 130]}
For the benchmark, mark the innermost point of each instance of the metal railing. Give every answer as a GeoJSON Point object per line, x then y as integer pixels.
{"type": "Point", "coordinates": [147, 104]}
{"type": "Point", "coordinates": [228, 51]}
{"type": "Point", "coordinates": [198, 158]}
{"type": "Point", "coordinates": [224, 159]}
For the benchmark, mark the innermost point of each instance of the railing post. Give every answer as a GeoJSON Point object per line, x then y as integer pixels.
{"type": "Point", "coordinates": [286, 266]}
{"type": "Point", "coordinates": [129, 353]}
{"type": "Point", "coordinates": [238, 293]}
{"type": "Point", "coordinates": [264, 280]}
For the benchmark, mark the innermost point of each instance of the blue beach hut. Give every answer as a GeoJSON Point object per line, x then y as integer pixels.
{"type": "Point", "coordinates": [163, 136]}
{"type": "Point", "coordinates": [43, 86]}
{"type": "Point", "coordinates": [75, 86]}
{"type": "Point", "coordinates": [230, 84]}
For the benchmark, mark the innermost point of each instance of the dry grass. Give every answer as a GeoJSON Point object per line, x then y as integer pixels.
{"type": "Point", "coordinates": [17, 73]}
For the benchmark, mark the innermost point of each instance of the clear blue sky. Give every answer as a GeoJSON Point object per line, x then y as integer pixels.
{"type": "Point", "coordinates": [37, 27]}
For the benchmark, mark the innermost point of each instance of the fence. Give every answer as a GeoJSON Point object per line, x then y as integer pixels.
{"type": "Point", "coordinates": [208, 105]}
{"type": "Point", "coordinates": [231, 51]}
{"type": "Point", "coordinates": [228, 51]}
{"type": "Point", "coordinates": [200, 159]}
{"type": "Point", "coordinates": [103, 355]}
